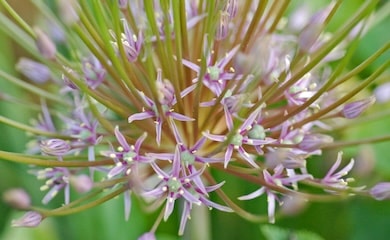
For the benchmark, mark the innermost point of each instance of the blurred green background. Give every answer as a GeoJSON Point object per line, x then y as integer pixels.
{"type": "Point", "coordinates": [355, 219]}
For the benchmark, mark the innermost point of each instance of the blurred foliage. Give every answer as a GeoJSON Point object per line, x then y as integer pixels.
{"type": "Point", "coordinates": [276, 233]}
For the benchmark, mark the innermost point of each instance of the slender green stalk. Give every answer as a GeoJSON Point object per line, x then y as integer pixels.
{"type": "Point", "coordinates": [68, 211]}
{"type": "Point", "coordinates": [18, 19]}
{"type": "Point", "coordinates": [28, 159]}
{"type": "Point", "coordinates": [31, 130]}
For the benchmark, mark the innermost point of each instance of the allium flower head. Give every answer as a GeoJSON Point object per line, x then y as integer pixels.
{"type": "Point", "coordinates": [159, 99]}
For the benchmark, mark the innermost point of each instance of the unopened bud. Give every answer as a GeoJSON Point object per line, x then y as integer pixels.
{"type": "Point", "coordinates": [314, 141]}
{"type": "Point", "coordinates": [354, 109]}
{"type": "Point", "coordinates": [55, 147]}
{"type": "Point", "coordinates": [165, 90]}
{"type": "Point", "coordinates": [382, 93]}
{"type": "Point", "coordinates": [17, 198]}
{"type": "Point", "coordinates": [299, 18]}
{"type": "Point", "coordinates": [29, 219]}
{"type": "Point", "coordinates": [293, 161]}
{"type": "Point", "coordinates": [313, 29]}
{"type": "Point", "coordinates": [81, 183]}
{"type": "Point", "coordinates": [287, 158]}
{"type": "Point", "coordinates": [67, 9]}
{"type": "Point", "coordinates": [223, 26]}
{"type": "Point", "coordinates": [381, 191]}
{"type": "Point", "coordinates": [45, 45]}
{"type": "Point", "coordinates": [231, 8]}
{"type": "Point", "coordinates": [293, 205]}
{"type": "Point", "coordinates": [35, 71]}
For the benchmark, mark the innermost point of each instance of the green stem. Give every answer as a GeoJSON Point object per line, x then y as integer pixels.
{"type": "Point", "coordinates": [31, 88]}
{"type": "Point", "coordinates": [18, 19]}
{"type": "Point", "coordinates": [32, 130]}
{"type": "Point", "coordinates": [330, 83]}
{"type": "Point", "coordinates": [244, 214]}
{"type": "Point", "coordinates": [68, 211]}
{"type": "Point", "coordinates": [325, 49]}
{"type": "Point", "coordinates": [34, 160]}
{"type": "Point", "coordinates": [353, 143]}
{"type": "Point", "coordinates": [346, 97]}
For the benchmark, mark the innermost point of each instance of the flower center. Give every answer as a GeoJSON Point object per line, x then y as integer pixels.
{"type": "Point", "coordinates": [257, 132]}
{"type": "Point", "coordinates": [214, 73]}
{"type": "Point", "coordinates": [129, 156]}
{"type": "Point", "coordinates": [236, 140]}
{"type": "Point", "coordinates": [174, 184]}
{"type": "Point", "coordinates": [187, 157]}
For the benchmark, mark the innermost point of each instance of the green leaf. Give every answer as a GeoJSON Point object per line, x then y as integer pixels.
{"type": "Point", "coordinates": [276, 233]}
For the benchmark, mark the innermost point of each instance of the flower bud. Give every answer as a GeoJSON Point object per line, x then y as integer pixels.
{"type": "Point", "coordinates": [299, 18]}
{"type": "Point", "coordinates": [55, 147]}
{"type": "Point", "coordinates": [17, 198]}
{"type": "Point", "coordinates": [382, 92]}
{"type": "Point", "coordinates": [313, 29]}
{"type": "Point", "coordinates": [314, 141]}
{"type": "Point", "coordinates": [81, 183]}
{"type": "Point", "coordinates": [35, 71]}
{"type": "Point", "coordinates": [29, 219]}
{"type": "Point", "coordinates": [381, 191]}
{"type": "Point", "coordinates": [293, 161]}
{"type": "Point", "coordinates": [293, 205]}
{"type": "Point", "coordinates": [147, 236]}
{"type": "Point", "coordinates": [287, 158]}
{"type": "Point", "coordinates": [231, 8]}
{"type": "Point", "coordinates": [44, 44]}
{"type": "Point", "coordinates": [354, 109]}
{"type": "Point", "coordinates": [223, 26]}
{"type": "Point", "coordinates": [67, 9]}
{"type": "Point", "coordinates": [165, 91]}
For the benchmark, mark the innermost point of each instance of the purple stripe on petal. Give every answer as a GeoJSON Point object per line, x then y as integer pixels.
{"type": "Point", "coordinates": [217, 138]}
{"type": "Point", "coordinates": [158, 130]}
{"type": "Point", "coordinates": [139, 141]}
{"type": "Point", "coordinates": [179, 116]}
{"type": "Point", "coordinates": [121, 139]}
{"type": "Point", "coordinates": [247, 157]}
{"type": "Point", "coordinates": [169, 208]}
{"type": "Point", "coordinates": [155, 193]}
{"type": "Point", "coordinates": [211, 204]}
{"type": "Point", "coordinates": [253, 195]}
{"type": "Point", "coordinates": [141, 116]}
{"type": "Point", "coordinates": [228, 155]}
{"type": "Point", "coordinates": [127, 203]}
{"type": "Point", "coordinates": [191, 65]}
{"type": "Point", "coordinates": [189, 197]}
{"type": "Point", "coordinates": [158, 170]}
{"type": "Point", "coordinates": [184, 216]}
